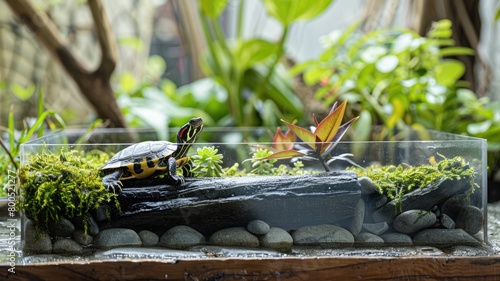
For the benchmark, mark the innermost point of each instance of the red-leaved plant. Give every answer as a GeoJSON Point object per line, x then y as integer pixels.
{"type": "Point", "coordinates": [321, 139]}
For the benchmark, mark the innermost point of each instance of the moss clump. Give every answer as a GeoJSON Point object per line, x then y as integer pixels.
{"type": "Point", "coordinates": [66, 184]}
{"type": "Point", "coordinates": [396, 181]}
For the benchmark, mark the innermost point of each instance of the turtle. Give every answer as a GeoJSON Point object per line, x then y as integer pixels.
{"type": "Point", "coordinates": [152, 158]}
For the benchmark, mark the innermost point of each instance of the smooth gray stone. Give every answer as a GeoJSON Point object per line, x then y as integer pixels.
{"type": "Point", "coordinates": [422, 199]}
{"type": "Point", "coordinates": [62, 228]}
{"type": "Point", "coordinates": [258, 227]}
{"type": "Point", "coordinates": [67, 246]}
{"type": "Point", "coordinates": [356, 223]}
{"type": "Point", "coordinates": [148, 238]}
{"type": "Point", "coordinates": [117, 237]}
{"type": "Point", "coordinates": [35, 243]}
{"type": "Point", "coordinates": [470, 219]}
{"type": "Point", "coordinates": [366, 238]}
{"type": "Point", "coordinates": [91, 225]}
{"type": "Point", "coordinates": [452, 205]}
{"type": "Point", "coordinates": [397, 239]}
{"type": "Point", "coordinates": [81, 238]}
{"type": "Point", "coordinates": [234, 236]}
{"type": "Point", "coordinates": [413, 220]}
{"type": "Point", "coordinates": [367, 186]}
{"type": "Point", "coordinates": [103, 213]}
{"type": "Point", "coordinates": [322, 235]}
{"type": "Point", "coordinates": [211, 204]}
{"type": "Point", "coordinates": [446, 222]}
{"type": "Point", "coordinates": [376, 228]}
{"type": "Point", "coordinates": [277, 238]}
{"type": "Point", "coordinates": [444, 237]}
{"type": "Point", "coordinates": [182, 237]}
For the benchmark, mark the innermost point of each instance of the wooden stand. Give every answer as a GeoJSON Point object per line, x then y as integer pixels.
{"type": "Point", "coordinates": [310, 268]}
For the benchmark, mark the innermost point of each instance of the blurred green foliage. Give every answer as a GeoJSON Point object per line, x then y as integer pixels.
{"type": "Point", "coordinates": [259, 92]}
{"type": "Point", "coordinates": [395, 78]}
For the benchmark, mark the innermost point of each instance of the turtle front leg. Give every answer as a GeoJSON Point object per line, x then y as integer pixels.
{"type": "Point", "coordinates": [112, 180]}
{"type": "Point", "coordinates": [174, 178]}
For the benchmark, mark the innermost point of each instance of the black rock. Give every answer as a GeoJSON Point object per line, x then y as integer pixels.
{"type": "Point", "coordinates": [211, 204]}
{"type": "Point", "coordinates": [424, 198]}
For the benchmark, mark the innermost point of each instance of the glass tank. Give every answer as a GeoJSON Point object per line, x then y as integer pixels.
{"type": "Point", "coordinates": [424, 189]}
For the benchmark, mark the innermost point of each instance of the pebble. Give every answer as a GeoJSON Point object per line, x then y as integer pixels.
{"type": "Point", "coordinates": [258, 227]}
{"type": "Point", "coordinates": [444, 237]}
{"type": "Point", "coordinates": [277, 238]}
{"type": "Point", "coordinates": [356, 223]}
{"type": "Point", "coordinates": [413, 220]}
{"type": "Point", "coordinates": [36, 244]}
{"type": "Point", "coordinates": [366, 238]}
{"type": "Point", "coordinates": [234, 236]}
{"type": "Point", "coordinates": [397, 239]}
{"type": "Point", "coordinates": [91, 225]}
{"type": "Point", "coordinates": [323, 235]}
{"type": "Point", "coordinates": [62, 228]}
{"type": "Point", "coordinates": [452, 205]}
{"type": "Point", "coordinates": [470, 219]}
{"type": "Point", "coordinates": [376, 228]}
{"type": "Point", "coordinates": [67, 246]}
{"type": "Point", "coordinates": [446, 222]}
{"type": "Point", "coordinates": [148, 238]}
{"type": "Point", "coordinates": [102, 213]}
{"type": "Point", "coordinates": [82, 238]}
{"type": "Point", "coordinates": [367, 186]}
{"type": "Point", "coordinates": [182, 237]}
{"type": "Point", "coordinates": [117, 237]}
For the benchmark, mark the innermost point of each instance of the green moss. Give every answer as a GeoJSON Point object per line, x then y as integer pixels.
{"type": "Point", "coordinates": [395, 181]}
{"type": "Point", "coordinates": [62, 185]}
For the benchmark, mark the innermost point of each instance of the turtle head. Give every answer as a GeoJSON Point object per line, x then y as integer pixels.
{"type": "Point", "coordinates": [187, 135]}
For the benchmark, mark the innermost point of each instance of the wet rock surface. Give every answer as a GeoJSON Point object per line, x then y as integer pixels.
{"type": "Point", "coordinates": [212, 204]}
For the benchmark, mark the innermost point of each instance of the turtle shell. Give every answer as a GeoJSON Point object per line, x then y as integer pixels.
{"type": "Point", "coordinates": [140, 159]}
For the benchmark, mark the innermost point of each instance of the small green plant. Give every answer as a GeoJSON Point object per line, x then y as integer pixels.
{"type": "Point", "coordinates": [62, 185]}
{"type": "Point", "coordinates": [396, 181]}
{"type": "Point", "coordinates": [207, 163]}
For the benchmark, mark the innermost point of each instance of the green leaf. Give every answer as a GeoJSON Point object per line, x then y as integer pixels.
{"type": "Point", "coordinates": [315, 75]}
{"type": "Point", "coordinates": [213, 8]}
{"type": "Point", "coordinates": [22, 93]}
{"type": "Point", "coordinates": [127, 82]}
{"type": "Point", "coordinates": [131, 41]}
{"type": "Point", "coordinates": [387, 64]}
{"type": "Point", "coordinates": [480, 127]}
{"type": "Point", "coordinates": [456, 51]}
{"type": "Point", "coordinates": [497, 13]}
{"type": "Point", "coordinates": [288, 11]}
{"type": "Point", "coordinates": [253, 51]}
{"type": "Point", "coordinates": [449, 71]}
{"type": "Point", "coordinates": [286, 154]}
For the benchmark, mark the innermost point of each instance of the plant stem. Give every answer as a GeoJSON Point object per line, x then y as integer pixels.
{"type": "Point", "coordinates": [279, 53]}
{"type": "Point", "coordinates": [2, 143]}
{"type": "Point", "coordinates": [239, 26]}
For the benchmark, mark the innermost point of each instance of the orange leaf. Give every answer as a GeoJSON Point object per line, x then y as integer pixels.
{"type": "Point", "coordinates": [283, 141]}
{"type": "Point", "coordinates": [328, 127]}
{"type": "Point", "coordinates": [303, 134]}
